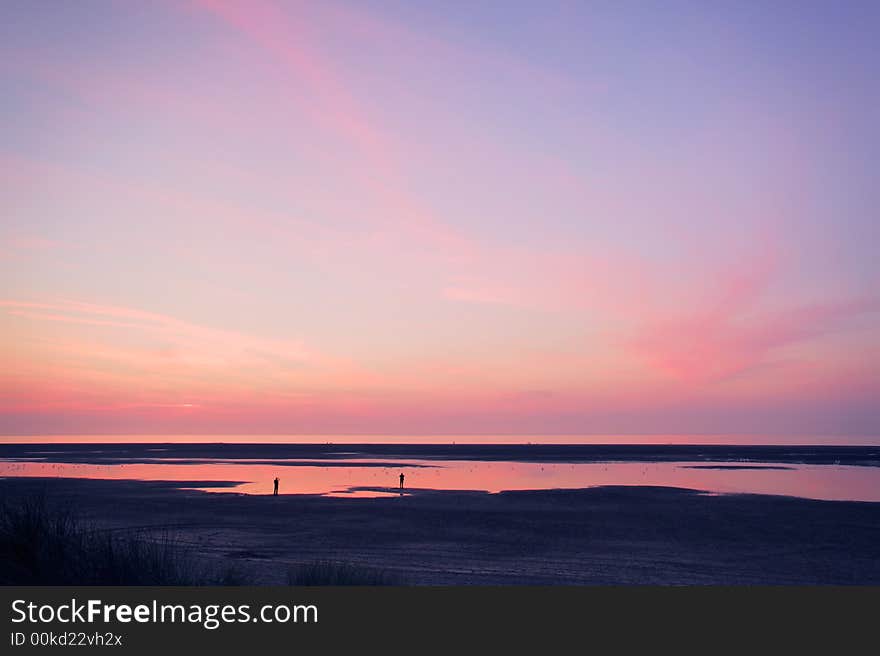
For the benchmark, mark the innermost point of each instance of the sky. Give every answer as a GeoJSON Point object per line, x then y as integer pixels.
{"type": "Point", "coordinates": [417, 218]}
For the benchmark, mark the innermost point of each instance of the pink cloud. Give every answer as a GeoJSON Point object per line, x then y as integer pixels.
{"type": "Point", "coordinates": [287, 41]}
{"type": "Point", "coordinates": [728, 332]}
{"type": "Point", "coordinates": [148, 356]}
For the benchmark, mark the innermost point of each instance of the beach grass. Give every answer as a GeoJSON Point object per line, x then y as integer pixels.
{"type": "Point", "coordinates": [43, 542]}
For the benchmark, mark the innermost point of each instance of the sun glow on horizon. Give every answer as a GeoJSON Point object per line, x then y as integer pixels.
{"type": "Point", "coordinates": [538, 439]}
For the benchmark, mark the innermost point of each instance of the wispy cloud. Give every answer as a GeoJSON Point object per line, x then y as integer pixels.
{"type": "Point", "coordinates": [729, 332]}
{"type": "Point", "coordinates": [153, 359]}
{"type": "Point", "coordinates": [181, 332]}
{"type": "Point", "coordinates": [287, 41]}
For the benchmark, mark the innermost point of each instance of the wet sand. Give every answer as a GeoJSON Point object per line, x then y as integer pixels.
{"type": "Point", "coordinates": [610, 535]}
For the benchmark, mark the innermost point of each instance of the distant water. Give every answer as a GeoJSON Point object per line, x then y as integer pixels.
{"type": "Point", "coordinates": [717, 439]}
{"type": "Point", "coordinates": [836, 473]}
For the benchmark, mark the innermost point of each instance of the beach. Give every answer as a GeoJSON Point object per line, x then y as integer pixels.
{"type": "Point", "coordinates": [604, 535]}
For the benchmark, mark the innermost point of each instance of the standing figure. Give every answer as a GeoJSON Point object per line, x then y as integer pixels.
{"type": "Point", "coordinates": [275, 493]}
{"type": "Point", "coordinates": [401, 481]}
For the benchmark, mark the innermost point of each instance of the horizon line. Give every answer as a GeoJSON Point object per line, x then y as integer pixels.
{"type": "Point", "coordinates": [586, 439]}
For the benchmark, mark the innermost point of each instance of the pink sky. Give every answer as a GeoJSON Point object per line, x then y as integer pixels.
{"type": "Point", "coordinates": [229, 218]}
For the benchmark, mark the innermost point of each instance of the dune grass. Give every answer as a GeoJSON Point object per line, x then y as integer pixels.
{"type": "Point", "coordinates": [45, 543]}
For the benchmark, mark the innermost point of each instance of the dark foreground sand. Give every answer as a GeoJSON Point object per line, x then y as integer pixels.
{"type": "Point", "coordinates": [620, 535]}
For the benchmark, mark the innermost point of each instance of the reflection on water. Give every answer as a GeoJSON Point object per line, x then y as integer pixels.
{"type": "Point", "coordinates": [365, 477]}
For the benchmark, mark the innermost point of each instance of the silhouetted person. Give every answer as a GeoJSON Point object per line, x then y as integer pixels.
{"type": "Point", "coordinates": [401, 481]}
{"type": "Point", "coordinates": [275, 493]}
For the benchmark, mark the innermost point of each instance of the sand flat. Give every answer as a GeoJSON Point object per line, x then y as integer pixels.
{"type": "Point", "coordinates": [606, 535]}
